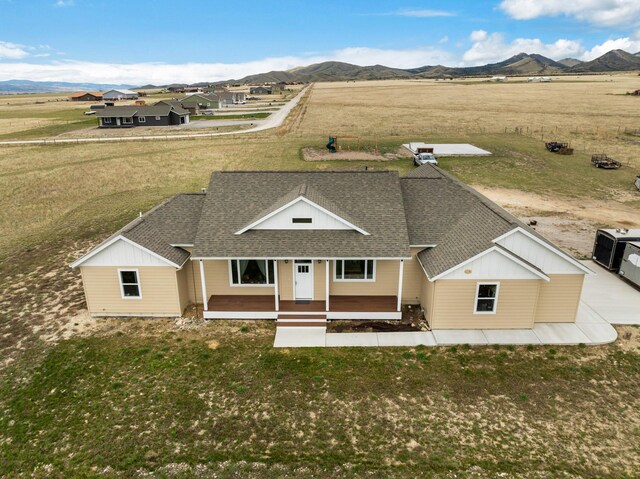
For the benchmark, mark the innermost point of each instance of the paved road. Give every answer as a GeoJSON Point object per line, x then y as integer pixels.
{"type": "Point", "coordinates": [273, 121]}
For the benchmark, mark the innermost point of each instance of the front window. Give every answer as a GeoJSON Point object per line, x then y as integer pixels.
{"type": "Point", "coordinates": [129, 284]}
{"type": "Point", "coordinates": [354, 270]}
{"type": "Point", "coordinates": [106, 120]}
{"type": "Point", "coordinates": [486, 298]}
{"type": "Point", "coordinates": [127, 120]}
{"type": "Point", "coordinates": [252, 272]}
{"type": "Point", "coordinates": [142, 119]}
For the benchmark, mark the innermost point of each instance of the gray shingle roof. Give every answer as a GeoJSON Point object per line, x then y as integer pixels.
{"type": "Point", "coordinates": [235, 199]}
{"type": "Point", "coordinates": [159, 109]}
{"type": "Point", "coordinates": [173, 222]}
{"type": "Point", "coordinates": [445, 212]}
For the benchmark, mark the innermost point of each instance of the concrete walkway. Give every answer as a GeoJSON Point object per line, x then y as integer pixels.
{"type": "Point", "coordinates": [589, 328]}
{"type": "Point", "coordinates": [273, 121]}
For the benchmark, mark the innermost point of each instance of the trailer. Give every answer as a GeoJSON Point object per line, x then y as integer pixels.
{"type": "Point", "coordinates": [609, 245]}
{"type": "Point", "coordinates": [603, 161]}
{"type": "Point", "coordinates": [630, 266]}
{"type": "Point", "coordinates": [558, 147]}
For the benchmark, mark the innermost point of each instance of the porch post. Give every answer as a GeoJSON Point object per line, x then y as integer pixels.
{"type": "Point", "coordinates": [400, 285]}
{"type": "Point", "coordinates": [275, 283]}
{"type": "Point", "coordinates": [326, 285]}
{"type": "Point", "coordinates": [205, 303]}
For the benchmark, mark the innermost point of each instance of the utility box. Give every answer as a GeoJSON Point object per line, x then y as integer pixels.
{"type": "Point", "coordinates": [609, 246]}
{"type": "Point", "coordinates": [630, 266]}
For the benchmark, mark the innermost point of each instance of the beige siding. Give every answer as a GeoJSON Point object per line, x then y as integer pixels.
{"type": "Point", "coordinates": [559, 298]}
{"type": "Point", "coordinates": [386, 283]}
{"type": "Point", "coordinates": [285, 280]}
{"type": "Point", "coordinates": [157, 283]}
{"type": "Point", "coordinates": [183, 279]}
{"type": "Point", "coordinates": [217, 279]}
{"type": "Point", "coordinates": [454, 303]}
{"type": "Point", "coordinates": [319, 283]}
{"type": "Point", "coordinates": [412, 279]}
{"type": "Point", "coordinates": [426, 298]}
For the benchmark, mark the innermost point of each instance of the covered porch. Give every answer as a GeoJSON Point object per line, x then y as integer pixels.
{"type": "Point", "coordinates": [337, 307]}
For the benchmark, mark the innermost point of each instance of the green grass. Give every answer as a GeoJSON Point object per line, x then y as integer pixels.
{"type": "Point", "coordinates": [248, 116]}
{"type": "Point", "coordinates": [108, 401]}
{"type": "Point", "coordinates": [51, 130]}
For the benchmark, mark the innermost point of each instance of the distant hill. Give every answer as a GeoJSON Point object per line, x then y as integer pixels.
{"type": "Point", "coordinates": [27, 86]}
{"type": "Point", "coordinates": [520, 64]}
{"type": "Point", "coordinates": [613, 61]}
{"type": "Point", "coordinates": [570, 62]}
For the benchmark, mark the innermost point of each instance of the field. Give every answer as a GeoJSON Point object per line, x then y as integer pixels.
{"type": "Point", "coordinates": [79, 396]}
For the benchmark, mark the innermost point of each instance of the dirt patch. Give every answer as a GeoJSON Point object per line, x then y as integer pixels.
{"type": "Point", "coordinates": [628, 338]}
{"type": "Point", "coordinates": [412, 320]}
{"type": "Point", "coordinates": [314, 154]}
{"type": "Point", "coordinates": [569, 223]}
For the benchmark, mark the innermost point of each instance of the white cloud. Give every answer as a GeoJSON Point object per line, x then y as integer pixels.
{"type": "Point", "coordinates": [424, 13]}
{"type": "Point", "coordinates": [599, 12]}
{"type": "Point", "coordinates": [491, 48]}
{"type": "Point", "coordinates": [162, 73]}
{"type": "Point", "coordinates": [12, 51]}
{"type": "Point", "coordinates": [64, 3]}
{"type": "Point", "coordinates": [627, 44]}
{"type": "Point", "coordinates": [444, 39]}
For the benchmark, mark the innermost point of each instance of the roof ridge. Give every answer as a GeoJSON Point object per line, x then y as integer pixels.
{"type": "Point", "coordinates": [306, 172]}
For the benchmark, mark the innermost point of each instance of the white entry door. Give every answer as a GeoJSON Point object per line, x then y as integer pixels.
{"type": "Point", "coordinates": [303, 277]}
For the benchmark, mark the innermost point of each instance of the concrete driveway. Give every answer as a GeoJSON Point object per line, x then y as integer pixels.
{"type": "Point", "coordinates": [615, 300]}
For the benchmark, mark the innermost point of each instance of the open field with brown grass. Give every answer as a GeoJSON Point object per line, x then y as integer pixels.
{"type": "Point", "coordinates": [80, 397]}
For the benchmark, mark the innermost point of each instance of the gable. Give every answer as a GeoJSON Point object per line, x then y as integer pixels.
{"type": "Point", "coordinates": [492, 265]}
{"type": "Point", "coordinates": [320, 220]}
{"type": "Point", "coordinates": [544, 257]}
{"type": "Point", "coordinates": [122, 253]}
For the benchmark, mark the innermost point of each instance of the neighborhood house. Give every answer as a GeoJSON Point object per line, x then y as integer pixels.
{"type": "Point", "coordinates": [227, 98]}
{"type": "Point", "coordinates": [195, 104]}
{"type": "Point", "coordinates": [86, 96]}
{"type": "Point", "coordinates": [120, 95]}
{"type": "Point", "coordinates": [160, 114]}
{"type": "Point", "coordinates": [334, 245]}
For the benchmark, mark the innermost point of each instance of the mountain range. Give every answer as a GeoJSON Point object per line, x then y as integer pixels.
{"type": "Point", "coordinates": [523, 64]}
{"type": "Point", "coordinates": [520, 64]}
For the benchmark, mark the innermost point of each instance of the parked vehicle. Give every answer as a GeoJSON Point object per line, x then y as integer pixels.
{"type": "Point", "coordinates": [424, 158]}
{"type": "Point", "coordinates": [630, 265]}
{"type": "Point", "coordinates": [90, 112]}
{"type": "Point", "coordinates": [603, 161]}
{"type": "Point", "coordinates": [559, 147]}
{"type": "Point", "coordinates": [608, 248]}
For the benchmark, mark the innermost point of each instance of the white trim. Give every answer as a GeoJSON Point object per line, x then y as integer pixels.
{"type": "Point", "coordinates": [137, 283]}
{"type": "Point", "coordinates": [240, 315]}
{"type": "Point", "coordinates": [495, 298]}
{"type": "Point", "coordinates": [288, 258]}
{"type": "Point", "coordinates": [296, 200]}
{"type": "Point", "coordinates": [95, 251]}
{"type": "Point", "coordinates": [363, 280]}
{"type": "Point", "coordinates": [182, 245]}
{"type": "Point", "coordinates": [546, 245]}
{"type": "Point", "coordinates": [326, 285]}
{"type": "Point", "coordinates": [400, 276]}
{"type": "Point", "coordinates": [364, 315]}
{"type": "Point", "coordinates": [275, 283]}
{"type": "Point", "coordinates": [240, 284]}
{"type": "Point", "coordinates": [497, 249]}
{"type": "Point", "coordinates": [129, 122]}
{"type": "Point", "coordinates": [311, 272]}
{"type": "Point", "coordinates": [422, 245]}
{"type": "Point", "coordinates": [142, 119]}
{"type": "Point", "coordinates": [203, 285]}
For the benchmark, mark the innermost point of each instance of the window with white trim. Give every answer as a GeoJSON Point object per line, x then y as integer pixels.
{"type": "Point", "coordinates": [252, 272]}
{"type": "Point", "coordinates": [127, 120]}
{"type": "Point", "coordinates": [129, 283]}
{"type": "Point", "coordinates": [486, 298]}
{"type": "Point", "coordinates": [142, 119]}
{"type": "Point", "coordinates": [354, 270]}
{"type": "Point", "coordinates": [157, 118]}
{"type": "Point", "coordinates": [302, 220]}
{"type": "Point", "coordinates": [106, 120]}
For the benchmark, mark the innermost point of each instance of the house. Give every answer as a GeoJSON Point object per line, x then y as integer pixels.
{"type": "Point", "coordinates": [86, 96]}
{"type": "Point", "coordinates": [160, 114]}
{"type": "Point", "coordinates": [334, 245]}
{"type": "Point", "coordinates": [260, 90]}
{"type": "Point", "coordinates": [227, 98]}
{"type": "Point", "coordinates": [120, 95]}
{"type": "Point", "coordinates": [195, 103]}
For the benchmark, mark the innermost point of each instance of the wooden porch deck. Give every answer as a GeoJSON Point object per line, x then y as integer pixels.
{"type": "Point", "coordinates": [266, 303]}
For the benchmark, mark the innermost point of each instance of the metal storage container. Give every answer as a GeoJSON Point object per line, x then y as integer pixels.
{"type": "Point", "coordinates": [609, 245]}
{"type": "Point", "coordinates": [630, 266]}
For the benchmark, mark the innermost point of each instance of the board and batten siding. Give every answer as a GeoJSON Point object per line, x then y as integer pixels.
{"type": "Point", "coordinates": [386, 283]}
{"type": "Point", "coordinates": [283, 220]}
{"type": "Point", "coordinates": [158, 285]}
{"type": "Point", "coordinates": [559, 298]}
{"type": "Point", "coordinates": [453, 305]}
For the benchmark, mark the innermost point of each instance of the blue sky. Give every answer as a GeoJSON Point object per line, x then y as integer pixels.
{"type": "Point", "coordinates": [163, 41]}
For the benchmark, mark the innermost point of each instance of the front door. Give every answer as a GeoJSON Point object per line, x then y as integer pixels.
{"type": "Point", "coordinates": [303, 277]}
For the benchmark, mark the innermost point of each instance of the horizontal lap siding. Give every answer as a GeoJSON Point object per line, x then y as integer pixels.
{"type": "Point", "coordinates": [426, 298]}
{"type": "Point", "coordinates": [319, 282]}
{"type": "Point", "coordinates": [217, 279]}
{"type": "Point", "coordinates": [412, 279]}
{"type": "Point", "coordinates": [184, 278]}
{"type": "Point", "coordinates": [454, 303]}
{"type": "Point", "coordinates": [159, 292]}
{"type": "Point", "coordinates": [559, 298]}
{"type": "Point", "coordinates": [386, 283]}
{"type": "Point", "coordinates": [285, 280]}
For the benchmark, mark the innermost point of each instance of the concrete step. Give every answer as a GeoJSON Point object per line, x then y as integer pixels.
{"type": "Point", "coordinates": [285, 324]}
{"type": "Point", "coordinates": [302, 320]}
